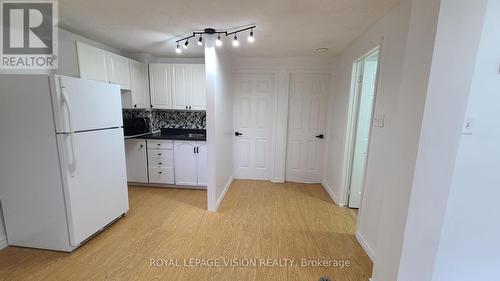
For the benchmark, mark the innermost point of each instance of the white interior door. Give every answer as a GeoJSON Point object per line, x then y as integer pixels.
{"type": "Point", "coordinates": [366, 92]}
{"type": "Point", "coordinates": [306, 127]}
{"type": "Point", "coordinates": [254, 113]}
{"type": "Point", "coordinates": [95, 180]}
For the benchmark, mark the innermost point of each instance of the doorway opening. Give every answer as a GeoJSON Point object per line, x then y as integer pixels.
{"type": "Point", "coordinates": [363, 91]}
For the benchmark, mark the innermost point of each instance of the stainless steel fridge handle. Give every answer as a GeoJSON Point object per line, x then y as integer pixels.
{"type": "Point", "coordinates": [72, 165]}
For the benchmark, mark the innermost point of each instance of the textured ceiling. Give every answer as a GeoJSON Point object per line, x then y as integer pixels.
{"type": "Point", "coordinates": [285, 28]}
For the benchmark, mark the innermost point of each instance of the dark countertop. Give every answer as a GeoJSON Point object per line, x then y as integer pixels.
{"type": "Point", "coordinates": [176, 134]}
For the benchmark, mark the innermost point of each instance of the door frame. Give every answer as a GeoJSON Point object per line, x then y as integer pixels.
{"type": "Point", "coordinates": [274, 142]}
{"type": "Point", "coordinates": [352, 118]}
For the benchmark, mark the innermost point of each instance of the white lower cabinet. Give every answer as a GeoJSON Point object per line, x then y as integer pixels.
{"type": "Point", "coordinates": [167, 162]}
{"type": "Point", "coordinates": [190, 163]}
{"type": "Point", "coordinates": [135, 151]}
{"type": "Point", "coordinates": [161, 161]}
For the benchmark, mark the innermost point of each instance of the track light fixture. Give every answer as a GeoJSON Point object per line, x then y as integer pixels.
{"type": "Point", "coordinates": [218, 42]}
{"type": "Point", "coordinates": [236, 43]}
{"type": "Point", "coordinates": [251, 39]}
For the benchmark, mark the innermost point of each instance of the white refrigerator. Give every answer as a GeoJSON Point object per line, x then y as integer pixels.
{"type": "Point", "coordinates": [62, 159]}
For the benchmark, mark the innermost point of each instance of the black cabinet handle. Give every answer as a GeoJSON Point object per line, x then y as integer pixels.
{"type": "Point", "coordinates": [159, 172]}
{"type": "Point", "coordinates": [141, 145]}
{"type": "Point", "coordinates": [159, 153]}
{"type": "Point", "coordinates": [197, 149]}
{"type": "Point", "coordinates": [320, 136]}
{"type": "Point", "coordinates": [238, 134]}
{"type": "Point", "coordinates": [189, 107]}
{"type": "Point", "coordinates": [186, 107]}
{"type": "Point", "coordinates": [159, 163]}
{"type": "Point", "coordinates": [194, 149]}
{"type": "Point", "coordinates": [151, 105]}
{"type": "Point", "coordinates": [135, 105]}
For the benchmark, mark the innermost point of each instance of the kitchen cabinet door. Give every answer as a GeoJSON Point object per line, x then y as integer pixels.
{"type": "Point", "coordinates": [160, 81]}
{"type": "Point", "coordinates": [180, 86]}
{"type": "Point", "coordinates": [135, 153]}
{"type": "Point", "coordinates": [92, 62]}
{"type": "Point", "coordinates": [139, 86]}
{"type": "Point", "coordinates": [119, 70]}
{"type": "Point", "coordinates": [197, 96]}
{"type": "Point", "coordinates": [201, 163]}
{"type": "Point", "coordinates": [185, 163]}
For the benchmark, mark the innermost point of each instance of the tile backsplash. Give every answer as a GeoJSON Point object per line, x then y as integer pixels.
{"type": "Point", "coordinates": [170, 118]}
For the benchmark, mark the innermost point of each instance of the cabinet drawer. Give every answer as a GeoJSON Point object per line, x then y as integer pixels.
{"type": "Point", "coordinates": [160, 144]}
{"type": "Point", "coordinates": [161, 155]}
{"type": "Point", "coordinates": [161, 175]}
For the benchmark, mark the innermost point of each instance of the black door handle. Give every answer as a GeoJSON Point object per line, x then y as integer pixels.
{"type": "Point", "coordinates": [320, 136]}
{"type": "Point", "coordinates": [238, 134]}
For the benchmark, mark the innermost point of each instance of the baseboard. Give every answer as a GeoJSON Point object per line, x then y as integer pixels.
{"type": "Point", "coordinates": [278, 180]}
{"type": "Point", "coordinates": [226, 188]}
{"type": "Point", "coordinates": [334, 197]}
{"type": "Point", "coordinates": [3, 242]}
{"type": "Point", "coordinates": [365, 247]}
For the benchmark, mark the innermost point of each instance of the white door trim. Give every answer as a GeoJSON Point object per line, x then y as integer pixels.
{"type": "Point", "coordinates": [351, 124]}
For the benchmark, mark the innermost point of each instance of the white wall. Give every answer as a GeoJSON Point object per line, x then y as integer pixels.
{"type": "Point", "coordinates": [282, 68]}
{"type": "Point", "coordinates": [449, 85]}
{"type": "Point", "coordinates": [469, 246]}
{"type": "Point", "coordinates": [219, 122]}
{"type": "Point", "coordinates": [392, 30]}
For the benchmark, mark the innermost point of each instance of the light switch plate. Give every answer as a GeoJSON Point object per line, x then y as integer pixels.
{"type": "Point", "coordinates": [468, 126]}
{"type": "Point", "coordinates": [379, 120]}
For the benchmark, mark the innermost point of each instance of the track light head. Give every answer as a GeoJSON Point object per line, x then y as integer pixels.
{"type": "Point", "coordinates": [200, 41]}
{"type": "Point", "coordinates": [178, 50]}
{"type": "Point", "coordinates": [251, 39]}
{"type": "Point", "coordinates": [236, 43]}
{"type": "Point", "coordinates": [185, 46]}
{"type": "Point", "coordinates": [218, 42]}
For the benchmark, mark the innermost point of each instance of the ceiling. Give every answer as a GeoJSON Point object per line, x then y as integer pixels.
{"type": "Point", "coordinates": [285, 28]}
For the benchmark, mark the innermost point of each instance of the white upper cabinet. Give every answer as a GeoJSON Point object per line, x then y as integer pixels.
{"type": "Point", "coordinates": [139, 87]}
{"type": "Point", "coordinates": [197, 97]}
{"type": "Point", "coordinates": [118, 70]}
{"type": "Point", "coordinates": [101, 65]}
{"type": "Point", "coordinates": [92, 62]}
{"type": "Point", "coordinates": [178, 86]}
{"type": "Point", "coordinates": [160, 85]}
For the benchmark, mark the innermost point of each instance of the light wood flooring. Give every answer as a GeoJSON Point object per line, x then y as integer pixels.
{"type": "Point", "coordinates": [257, 220]}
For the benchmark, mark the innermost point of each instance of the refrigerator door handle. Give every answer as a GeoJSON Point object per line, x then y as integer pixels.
{"type": "Point", "coordinates": [72, 165]}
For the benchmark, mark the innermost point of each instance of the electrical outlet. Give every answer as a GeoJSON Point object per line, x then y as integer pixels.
{"type": "Point", "coordinates": [379, 120]}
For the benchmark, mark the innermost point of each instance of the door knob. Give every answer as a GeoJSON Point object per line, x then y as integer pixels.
{"type": "Point", "coordinates": [238, 134]}
{"type": "Point", "coordinates": [320, 136]}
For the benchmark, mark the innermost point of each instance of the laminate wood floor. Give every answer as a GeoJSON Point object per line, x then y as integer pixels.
{"type": "Point", "coordinates": [257, 222]}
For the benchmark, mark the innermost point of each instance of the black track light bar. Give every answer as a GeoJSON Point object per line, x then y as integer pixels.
{"type": "Point", "coordinates": [213, 31]}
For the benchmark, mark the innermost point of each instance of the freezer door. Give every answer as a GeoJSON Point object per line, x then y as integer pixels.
{"type": "Point", "coordinates": [94, 179]}
{"type": "Point", "coordinates": [81, 105]}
